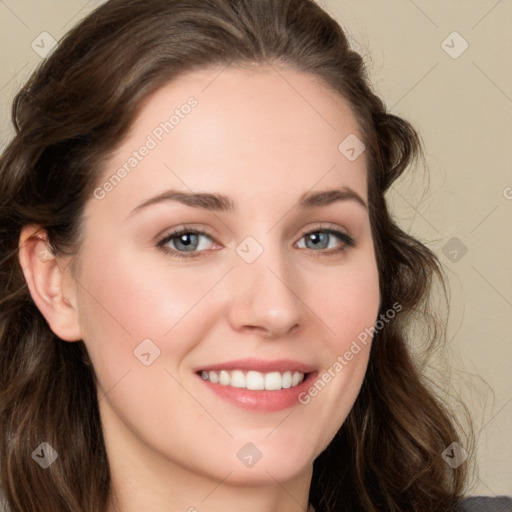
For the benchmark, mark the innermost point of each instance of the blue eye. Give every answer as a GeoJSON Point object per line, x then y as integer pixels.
{"type": "Point", "coordinates": [185, 241]}
{"type": "Point", "coordinates": [326, 239]}
{"type": "Point", "coordinates": [191, 243]}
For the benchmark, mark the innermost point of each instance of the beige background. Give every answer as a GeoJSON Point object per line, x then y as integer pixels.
{"type": "Point", "coordinates": [462, 106]}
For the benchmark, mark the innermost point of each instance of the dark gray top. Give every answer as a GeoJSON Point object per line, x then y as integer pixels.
{"type": "Point", "coordinates": [487, 504]}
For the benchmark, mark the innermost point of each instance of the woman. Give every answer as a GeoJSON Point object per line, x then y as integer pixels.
{"type": "Point", "coordinates": [205, 300]}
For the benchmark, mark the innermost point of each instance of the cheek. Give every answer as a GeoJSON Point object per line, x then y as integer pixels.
{"type": "Point", "coordinates": [123, 302]}
{"type": "Point", "coordinates": [355, 311]}
{"type": "Point", "coordinates": [347, 301]}
{"type": "Point", "coordinates": [349, 308]}
{"type": "Point", "coordinates": [140, 297]}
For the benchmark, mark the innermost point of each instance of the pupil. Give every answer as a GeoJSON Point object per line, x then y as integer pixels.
{"type": "Point", "coordinates": [187, 241]}
{"type": "Point", "coordinates": [317, 238]}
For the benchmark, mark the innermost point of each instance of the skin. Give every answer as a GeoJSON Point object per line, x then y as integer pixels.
{"type": "Point", "coordinates": [171, 442]}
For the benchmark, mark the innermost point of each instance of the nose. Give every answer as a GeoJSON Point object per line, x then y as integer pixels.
{"type": "Point", "coordinates": [263, 300]}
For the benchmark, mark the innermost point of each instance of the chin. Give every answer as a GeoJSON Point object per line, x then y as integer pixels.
{"type": "Point", "coordinates": [261, 474]}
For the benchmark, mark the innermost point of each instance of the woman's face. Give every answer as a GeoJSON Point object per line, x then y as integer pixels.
{"type": "Point", "coordinates": [229, 239]}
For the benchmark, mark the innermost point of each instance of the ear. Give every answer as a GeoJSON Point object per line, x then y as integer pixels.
{"type": "Point", "coordinates": [50, 283]}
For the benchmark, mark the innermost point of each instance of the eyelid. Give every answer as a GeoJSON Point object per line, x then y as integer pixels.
{"type": "Point", "coordinates": [200, 229]}
{"type": "Point", "coordinates": [347, 240]}
{"type": "Point", "coordinates": [323, 226]}
{"type": "Point", "coordinates": [203, 230]}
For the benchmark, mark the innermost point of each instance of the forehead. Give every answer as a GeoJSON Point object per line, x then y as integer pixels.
{"type": "Point", "coordinates": [265, 131]}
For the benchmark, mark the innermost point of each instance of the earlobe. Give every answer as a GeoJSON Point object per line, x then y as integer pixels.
{"type": "Point", "coordinates": [46, 277]}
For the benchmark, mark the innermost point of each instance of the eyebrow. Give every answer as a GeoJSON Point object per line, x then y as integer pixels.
{"type": "Point", "coordinates": [222, 203]}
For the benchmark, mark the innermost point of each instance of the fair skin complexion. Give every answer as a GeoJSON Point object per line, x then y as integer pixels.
{"type": "Point", "coordinates": [172, 442]}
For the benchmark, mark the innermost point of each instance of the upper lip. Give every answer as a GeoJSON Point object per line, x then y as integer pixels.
{"type": "Point", "coordinates": [260, 365]}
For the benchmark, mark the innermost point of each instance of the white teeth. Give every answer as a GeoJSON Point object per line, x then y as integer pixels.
{"type": "Point", "coordinates": [287, 380]}
{"type": "Point", "coordinates": [224, 378]}
{"type": "Point", "coordinates": [255, 381]}
{"type": "Point", "coordinates": [273, 381]}
{"type": "Point", "coordinates": [296, 378]}
{"type": "Point", "coordinates": [237, 379]}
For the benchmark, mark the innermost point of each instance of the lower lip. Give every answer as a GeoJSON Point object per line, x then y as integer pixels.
{"type": "Point", "coordinates": [266, 401]}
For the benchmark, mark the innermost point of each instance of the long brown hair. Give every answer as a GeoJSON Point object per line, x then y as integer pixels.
{"type": "Point", "coordinates": [78, 106]}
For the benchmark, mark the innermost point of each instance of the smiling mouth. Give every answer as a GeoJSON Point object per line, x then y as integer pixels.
{"type": "Point", "coordinates": [254, 380]}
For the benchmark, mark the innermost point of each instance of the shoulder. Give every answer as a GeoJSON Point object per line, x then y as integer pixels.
{"type": "Point", "coordinates": [486, 504]}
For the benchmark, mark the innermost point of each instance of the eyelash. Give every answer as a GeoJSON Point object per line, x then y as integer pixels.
{"type": "Point", "coordinates": [347, 242]}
